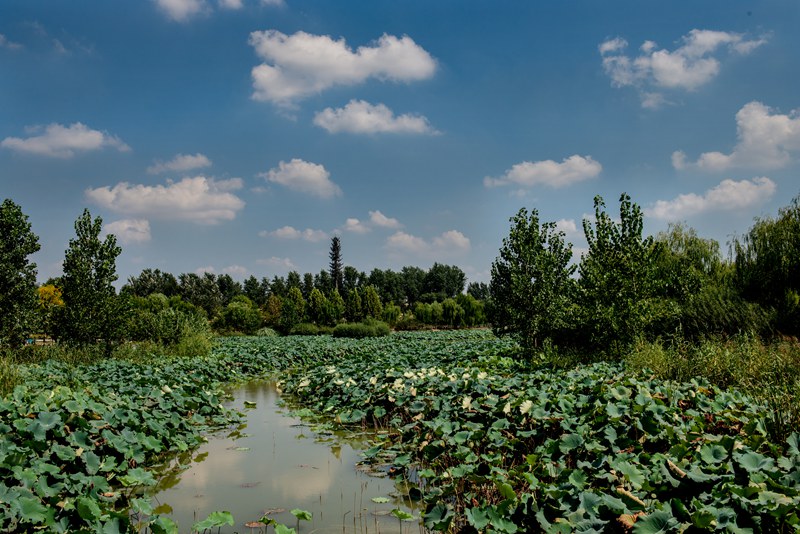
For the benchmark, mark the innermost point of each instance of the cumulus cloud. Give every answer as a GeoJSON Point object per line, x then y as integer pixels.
{"type": "Point", "coordinates": [765, 140]}
{"type": "Point", "coordinates": [180, 163]}
{"type": "Point", "coordinates": [298, 65]}
{"type": "Point", "coordinates": [199, 200]}
{"type": "Point", "coordinates": [58, 141]}
{"type": "Point", "coordinates": [568, 226]}
{"type": "Point", "coordinates": [450, 243]}
{"type": "Point", "coordinates": [548, 172]}
{"type": "Point", "coordinates": [379, 219]}
{"type": "Point", "coordinates": [5, 43]}
{"type": "Point", "coordinates": [236, 270]}
{"type": "Point", "coordinates": [355, 226]}
{"type": "Point", "coordinates": [303, 176]}
{"type": "Point", "coordinates": [200, 271]}
{"type": "Point", "coordinates": [688, 67]}
{"type": "Point", "coordinates": [182, 10]}
{"type": "Point", "coordinates": [129, 230]}
{"type": "Point", "coordinates": [277, 263]}
{"type": "Point", "coordinates": [728, 195]}
{"type": "Point", "coordinates": [290, 232]}
{"type": "Point", "coordinates": [362, 117]}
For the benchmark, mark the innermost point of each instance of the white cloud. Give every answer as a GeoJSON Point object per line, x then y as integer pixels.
{"type": "Point", "coordinates": [200, 271]}
{"type": "Point", "coordinates": [290, 232]}
{"type": "Point", "coordinates": [362, 117]}
{"type": "Point", "coordinates": [129, 230]}
{"type": "Point", "coordinates": [298, 65]}
{"type": "Point", "coordinates": [379, 219]}
{"type": "Point", "coordinates": [200, 200]}
{"type": "Point", "coordinates": [728, 195]}
{"type": "Point", "coordinates": [231, 4]}
{"type": "Point", "coordinates": [354, 225]}
{"type": "Point", "coordinates": [5, 43]}
{"type": "Point", "coordinates": [688, 67]}
{"type": "Point", "coordinates": [236, 270]}
{"type": "Point", "coordinates": [450, 243]}
{"type": "Point", "coordinates": [303, 176]}
{"type": "Point", "coordinates": [765, 140]}
{"type": "Point", "coordinates": [182, 10]}
{"type": "Point", "coordinates": [274, 3]}
{"type": "Point", "coordinates": [568, 226]}
{"type": "Point", "coordinates": [548, 172]}
{"type": "Point", "coordinates": [276, 262]}
{"type": "Point", "coordinates": [58, 141]}
{"type": "Point", "coordinates": [180, 163]}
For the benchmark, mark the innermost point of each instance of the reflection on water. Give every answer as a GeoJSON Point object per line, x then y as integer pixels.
{"type": "Point", "coordinates": [280, 463]}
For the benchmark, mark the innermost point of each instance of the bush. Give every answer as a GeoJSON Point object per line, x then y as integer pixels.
{"type": "Point", "coordinates": [304, 329]}
{"type": "Point", "coordinates": [408, 323]}
{"type": "Point", "coordinates": [361, 330]}
{"type": "Point", "coordinates": [266, 332]}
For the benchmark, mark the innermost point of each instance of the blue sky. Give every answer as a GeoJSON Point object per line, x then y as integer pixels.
{"type": "Point", "coordinates": [238, 136]}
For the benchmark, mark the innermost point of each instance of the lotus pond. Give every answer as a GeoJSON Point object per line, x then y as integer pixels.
{"type": "Point", "coordinates": [484, 441]}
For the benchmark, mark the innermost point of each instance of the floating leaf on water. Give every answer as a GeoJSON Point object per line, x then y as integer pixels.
{"type": "Point", "coordinates": [242, 449]}
{"type": "Point", "coordinates": [380, 500]}
{"type": "Point", "coordinates": [273, 511]}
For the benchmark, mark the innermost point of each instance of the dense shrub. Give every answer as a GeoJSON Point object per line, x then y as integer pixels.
{"type": "Point", "coordinates": [304, 329]}
{"type": "Point", "coordinates": [360, 330]}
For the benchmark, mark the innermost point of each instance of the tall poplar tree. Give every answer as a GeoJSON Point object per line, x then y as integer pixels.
{"type": "Point", "coordinates": [92, 311]}
{"type": "Point", "coordinates": [336, 263]}
{"type": "Point", "coordinates": [17, 274]}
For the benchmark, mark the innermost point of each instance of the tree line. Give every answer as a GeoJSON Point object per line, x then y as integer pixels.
{"type": "Point", "coordinates": [627, 286]}
{"type": "Point", "coordinates": [82, 306]}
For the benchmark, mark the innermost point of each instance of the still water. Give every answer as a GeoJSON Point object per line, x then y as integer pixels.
{"type": "Point", "coordinates": [277, 463]}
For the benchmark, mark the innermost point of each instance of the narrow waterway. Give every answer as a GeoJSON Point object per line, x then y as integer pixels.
{"type": "Point", "coordinates": [276, 463]}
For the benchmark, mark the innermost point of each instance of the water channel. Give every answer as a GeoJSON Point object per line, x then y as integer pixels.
{"type": "Point", "coordinates": [276, 463]}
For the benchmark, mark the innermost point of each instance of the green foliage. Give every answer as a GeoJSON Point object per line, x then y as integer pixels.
{"type": "Point", "coordinates": [371, 303]}
{"type": "Point", "coordinates": [685, 262]}
{"type": "Point", "coordinates": [201, 291]}
{"type": "Point", "coordinates": [616, 277]}
{"type": "Point", "coordinates": [391, 314]}
{"type": "Point", "coordinates": [266, 332]}
{"type": "Point", "coordinates": [240, 315]}
{"type": "Point", "coordinates": [92, 311]}
{"type": "Point", "coordinates": [337, 306]}
{"type": "Point", "coordinates": [353, 310]}
{"type": "Point", "coordinates": [506, 449]}
{"type": "Point", "coordinates": [445, 280]}
{"type": "Point", "coordinates": [293, 310]}
{"type": "Point", "coordinates": [531, 284]}
{"type": "Point", "coordinates": [770, 373]}
{"type": "Point", "coordinates": [151, 281]}
{"type": "Point", "coordinates": [305, 329]}
{"type": "Point", "coordinates": [768, 266]}
{"type": "Point", "coordinates": [319, 308]}
{"type": "Point", "coordinates": [336, 266]}
{"type": "Point", "coordinates": [474, 311]}
{"type": "Point", "coordinates": [368, 328]}
{"type": "Point", "coordinates": [17, 275]}
{"type": "Point", "coordinates": [452, 313]}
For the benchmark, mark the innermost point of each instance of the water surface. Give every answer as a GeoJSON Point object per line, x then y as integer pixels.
{"type": "Point", "coordinates": [278, 462]}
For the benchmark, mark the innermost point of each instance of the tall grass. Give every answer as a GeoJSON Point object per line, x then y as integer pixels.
{"type": "Point", "coordinates": [9, 377]}
{"type": "Point", "coordinates": [768, 372]}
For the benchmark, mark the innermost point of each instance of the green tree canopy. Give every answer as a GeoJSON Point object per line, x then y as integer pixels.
{"type": "Point", "coordinates": [616, 275]}
{"type": "Point", "coordinates": [531, 283]}
{"type": "Point", "coordinates": [92, 311]}
{"type": "Point", "coordinates": [18, 299]}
